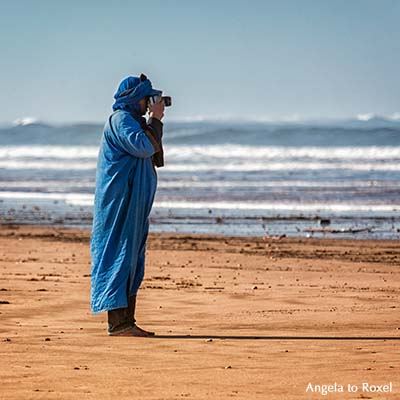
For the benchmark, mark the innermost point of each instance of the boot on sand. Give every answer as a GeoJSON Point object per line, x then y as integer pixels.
{"type": "Point", "coordinates": [131, 314]}
{"type": "Point", "coordinates": [118, 323]}
{"type": "Point", "coordinates": [121, 322]}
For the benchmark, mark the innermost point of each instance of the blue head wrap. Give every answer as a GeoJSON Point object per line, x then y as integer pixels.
{"type": "Point", "coordinates": [130, 91]}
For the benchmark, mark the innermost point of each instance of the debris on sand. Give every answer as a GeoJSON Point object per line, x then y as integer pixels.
{"type": "Point", "coordinates": [324, 221]}
{"type": "Point", "coordinates": [275, 237]}
{"type": "Point", "coordinates": [342, 230]}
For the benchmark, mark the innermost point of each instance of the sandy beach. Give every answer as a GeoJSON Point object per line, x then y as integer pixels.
{"type": "Point", "coordinates": [235, 318]}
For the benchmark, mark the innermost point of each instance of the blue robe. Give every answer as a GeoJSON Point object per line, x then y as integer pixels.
{"type": "Point", "coordinates": [126, 183]}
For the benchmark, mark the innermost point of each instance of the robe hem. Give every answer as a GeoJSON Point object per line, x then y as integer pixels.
{"type": "Point", "coordinates": [107, 307]}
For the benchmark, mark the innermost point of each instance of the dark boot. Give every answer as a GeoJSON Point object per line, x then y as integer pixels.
{"type": "Point", "coordinates": [131, 308]}
{"type": "Point", "coordinates": [118, 322]}
{"type": "Point", "coordinates": [131, 317]}
{"type": "Point", "coordinates": [121, 322]}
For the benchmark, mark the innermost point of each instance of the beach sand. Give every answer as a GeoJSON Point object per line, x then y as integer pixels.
{"type": "Point", "coordinates": [266, 317]}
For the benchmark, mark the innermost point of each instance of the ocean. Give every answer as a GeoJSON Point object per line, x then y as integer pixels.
{"type": "Point", "coordinates": [312, 179]}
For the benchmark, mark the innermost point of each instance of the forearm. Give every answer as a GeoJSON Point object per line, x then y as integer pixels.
{"type": "Point", "coordinates": [153, 141]}
{"type": "Point", "coordinates": [156, 129]}
{"type": "Point", "coordinates": [155, 133]}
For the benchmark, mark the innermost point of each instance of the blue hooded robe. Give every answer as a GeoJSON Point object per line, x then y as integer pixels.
{"type": "Point", "coordinates": [126, 183]}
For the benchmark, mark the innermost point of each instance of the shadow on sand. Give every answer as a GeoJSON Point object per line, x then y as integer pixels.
{"type": "Point", "coordinates": [276, 337]}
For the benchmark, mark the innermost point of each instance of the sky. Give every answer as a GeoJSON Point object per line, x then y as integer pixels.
{"type": "Point", "coordinates": [61, 61]}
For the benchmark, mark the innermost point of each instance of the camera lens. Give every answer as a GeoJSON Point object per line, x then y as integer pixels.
{"type": "Point", "coordinates": [167, 101]}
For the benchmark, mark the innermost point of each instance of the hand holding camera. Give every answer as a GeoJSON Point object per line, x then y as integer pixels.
{"type": "Point", "coordinates": [156, 109]}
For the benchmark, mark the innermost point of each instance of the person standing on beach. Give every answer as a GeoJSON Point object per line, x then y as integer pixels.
{"type": "Point", "coordinates": [126, 182]}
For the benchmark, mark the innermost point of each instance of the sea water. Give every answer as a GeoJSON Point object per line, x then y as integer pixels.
{"type": "Point", "coordinates": [330, 179]}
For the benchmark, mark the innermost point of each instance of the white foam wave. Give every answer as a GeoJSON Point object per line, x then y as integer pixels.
{"type": "Point", "coordinates": [46, 184]}
{"type": "Point", "coordinates": [282, 152]}
{"type": "Point", "coordinates": [281, 166]}
{"type": "Point", "coordinates": [365, 117]}
{"type": "Point", "coordinates": [64, 152]}
{"type": "Point", "coordinates": [69, 198]}
{"type": "Point", "coordinates": [25, 121]}
{"type": "Point", "coordinates": [179, 184]}
{"type": "Point", "coordinates": [46, 165]}
{"type": "Point", "coordinates": [83, 199]}
{"type": "Point", "coordinates": [395, 116]}
{"type": "Point", "coordinates": [214, 151]}
{"type": "Point", "coordinates": [185, 167]}
{"type": "Point", "coordinates": [279, 206]}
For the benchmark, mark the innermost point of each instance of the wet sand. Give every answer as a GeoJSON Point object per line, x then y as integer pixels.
{"type": "Point", "coordinates": [236, 318]}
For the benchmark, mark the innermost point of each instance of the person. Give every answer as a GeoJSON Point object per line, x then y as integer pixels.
{"type": "Point", "coordinates": [126, 181]}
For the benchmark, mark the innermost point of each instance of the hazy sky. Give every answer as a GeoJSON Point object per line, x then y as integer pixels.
{"type": "Point", "coordinates": [61, 61]}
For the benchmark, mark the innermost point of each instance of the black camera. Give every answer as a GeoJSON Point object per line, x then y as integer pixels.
{"type": "Point", "coordinates": [155, 99]}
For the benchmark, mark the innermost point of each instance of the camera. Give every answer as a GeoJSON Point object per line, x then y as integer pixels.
{"type": "Point", "coordinates": [155, 99]}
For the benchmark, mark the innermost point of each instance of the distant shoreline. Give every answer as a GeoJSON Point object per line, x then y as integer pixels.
{"type": "Point", "coordinates": [82, 234]}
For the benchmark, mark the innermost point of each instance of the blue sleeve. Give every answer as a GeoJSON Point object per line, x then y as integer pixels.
{"type": "Point", "coordinates": [130, 137]}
